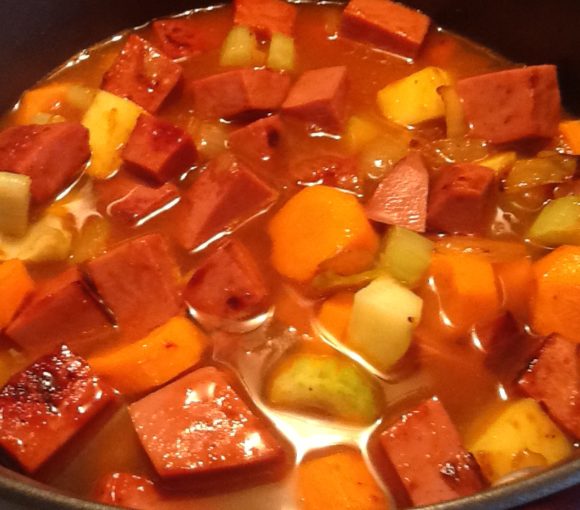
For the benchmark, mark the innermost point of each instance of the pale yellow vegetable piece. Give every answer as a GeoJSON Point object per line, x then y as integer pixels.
{"type": "Point", "coordinates": [282, 53]}
{"type": "Point", "coordinates": [414, 99]}
{"type": "Point", "coordinates": [359, 132]}
{"type": "Point", "coordinates": [384, 315]}
{"type": "Point", "coordinates": [522, 435]}
{"type": "Point", "coordinates": [240, 49]}
{"type": "Point", "coordinates": [454, 114]}
{"type": "Point", "coordinates": [91, 240]}
{"type": "Point", "coordinates": [14, 203]}
{"type": "Point", "coordinates": [110, 121]}
{"type": "Point", "coordinates": [45, 241]}
{"type": "Point", "coordinates": [500, 162]}
{"type": "Point", "coordinates": [381, 154]}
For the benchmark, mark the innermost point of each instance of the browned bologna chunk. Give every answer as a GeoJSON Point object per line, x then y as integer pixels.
{"type": "Point", "coordinates": [62, 311]}
{"type": "Point", "coordinates": [138, 281]}
{"type": "Point", "coordinates": [553, 379]}
{"type": "Point", "coordinates": [385, 24]}
{"type": "Point", "coordinates": [142, 74]}
{"type": "Point", "coordinates": [426, 451]}
{"type": "Point", "coordinates": [228, 284]}
{"type": "Point", "coordinates": [52, 155]}
{"type": "Point", "coordinates": [233, 93]}
{"type": "Point", "coordinates": [329, 169]}
{"type": "Point", "coordinates": [401, 197]}
{"type": "Point", "coordinates": [506, 106]}
{"type": "Point", "coordinates": [128, 491]}
{"type": "Point", "coordinates": [158, 150]}
{"type": "Point", "coordinates": [265, 17]}
{"type": "Point", "coordinates": [181, 38]}
{"type": "Point", "coordinates": [46, 404]}
{"type": "Point", "coordinates": [319, 98]}
{"type": "Point", "coordinates": [258, 140]}
{"type": "Point", "coordinates": [199, 424]}
{"type": "Point", "coordinates": [459, 199]}
{"type": "Point", "coordinates": [226, 194]}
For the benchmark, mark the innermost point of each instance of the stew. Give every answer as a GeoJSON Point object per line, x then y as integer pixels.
{"type": "Point", "coordinates": [270, 255]}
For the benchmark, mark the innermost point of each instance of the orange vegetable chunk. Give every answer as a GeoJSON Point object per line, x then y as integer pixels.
{"type": "Point", "coordinates": [41, 100]}
{"type": "Point", "coordinates": [321, 225]}
{"type": "Point", "coordinates": [159, 357]}
{"type": "Point", "coordinates": [515, 279]}
{"type": "Point", "coordinates": [339, 481]}
{"type": "Point", "coordinates": [556, 297]}
{"type": "Point", "coordinates": [334, 315]}
{"type": "Point", "coordinates": [15, 286]}
{"type": "Point", "coordinates": [467, 288]}
{"type": "Point", "coordinates": [570, 129]}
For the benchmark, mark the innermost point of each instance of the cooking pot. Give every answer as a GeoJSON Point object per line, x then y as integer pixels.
{"type": "Point", "coordinates": [38, 35]}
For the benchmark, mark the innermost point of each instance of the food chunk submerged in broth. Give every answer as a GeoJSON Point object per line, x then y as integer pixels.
{"type": "Point", "coordinates": [314, 254]}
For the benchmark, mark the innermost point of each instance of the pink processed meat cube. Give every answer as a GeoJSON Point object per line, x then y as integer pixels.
{"type": "Point", "coordinates": [182, 38]}
{"type": "Point", "coordinates": [62, 311]}
{"type": "Point", "coordinates": [329, 169]}
{"type": "Point", "coordinates": [385, 24]}
{"type": "Point", "coordinates": [426, 451]}
{"type": "Point", "coordinates": [265, 17]}
{"type": "Point", "coordinates": [553, 379]}
{"type": "Point", "coordinates": [506, 106]}
{"type": "Point", "coordinates": [46, 404]}
{"type": "Point", "coordinates": [401, 197]}
{"type": "Point", "coordinates": [224, 196]}
{"type": "Point", "coordinates": [158, 150]}
{"type": "Point", "coordinates": [459, 198]}
{"type": "Point", "coordinates": [199, 424]}
{"type": "Point", "coordinates": [258, 140]}
{"type": "Point", "coordinates": [138, 281]}
{"type": "Point", "coordinates": [52, 155]}
{"type": "Point", "coordinates": [228, 284]}
{"type": "Point", "coordinates": [233, 93]}
{"type": "Point", "coordinates": [128, 491]}
{"type": "Point", "coordinates": [142, 74]}
{"type": "Point", "coordinates": [319, 98]}
{"type": "Point", "coordinates": [142, 201]}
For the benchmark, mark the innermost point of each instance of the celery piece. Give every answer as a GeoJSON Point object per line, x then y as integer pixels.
{"type": "Point", "coordinates": [282, 53]}
{"type": "Point", "coordinates": [331, 281]}
{"type": "Point", "coordinates": [558, 223]}
{"type": "Point", "coordinates": [324, 383]}
{"type": "Point", "coordinates": [45, 241]}
{"type": "Point", "coordinates": [549, 168]}
{"type": "Point", "coordinates": [14, 203]}
{"type": "Point", "coordinates": [406, 255]}
{"type": "Point", "coordinates": [240, 48]}
{"type": "Point", "coordinates": [384, 315]}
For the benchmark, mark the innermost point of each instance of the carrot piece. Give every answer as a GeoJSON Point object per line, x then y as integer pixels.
{"type": "Point", "coordinates": [556, 295]}
{"type": "Point", "coordinates": [493, 249]}
{"type": "Point", "coordinates": [321, 227]}
{"type": "Point", "coordinates": [335, 313]}
{"type": "Point", "coordinates": [515, 280]}
{"type": "Point", "coordinates": [570, 129]}
{"type": "Point", "coordinates": [42, 100]}
{"type": "Point", "coordinates": [163, 354]}
{"type": "Point", "coordinates": [15, 286]}
{"type": "Point", "coordinates": [339, 481]}
{"type": "Point", "coordinates": [467, 288]}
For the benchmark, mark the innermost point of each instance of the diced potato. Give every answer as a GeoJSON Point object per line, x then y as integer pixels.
{"type": "Point", "coordinates": [110, 121]}
{"type": "Point", "coordinates": [45, 241]}
{"type": "Point", "coordinates": [91, 240]}
{"type": "Point", "coordinates": [547, 168]}
{"type": "Point", "coordinates": [328, 384]}
{"type": "Point", "coordinates": [384, 315]}
{"type": "Point", "coordinates": [406, 255]}
{"type": "Point", "coordinates": [454, 114]}
{"type": "Point", "coordinates": [558, 223]}
{"type": "Point", "coordinates": [282, 53]}
{"type": "Point", "coordinates": [381, 154]}
{"type": "Point", "coordinates": [240, 49]}
{"type": "Point", "coordinates": [359, 132]}
{"type": "Point", "coordinates": [522, 435]}
{"type": "Point", "coordinates": [500, 162]}
{"type": "Point", "coordinates": [14, 203]}
{"type": "Point", "coordinates": [210, 139]}
{"type": "Point", "coordinates": [414, 99]}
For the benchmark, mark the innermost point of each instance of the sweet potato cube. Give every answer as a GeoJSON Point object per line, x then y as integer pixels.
{"type": "Point", "coordinates": [16, 286]}
{"type": "Point", "coordinates": [61, 311]}
{"type": "Point", "coordinates": [158, 150]}
{"type": "Point", "coordinates": [199, 424]}
{"type": "Point", "coordinates": [46, 404]}
{"type": "Point", "coordinates": [138, 281]}
{"type": "Point", "coordinates": [142, 74]}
